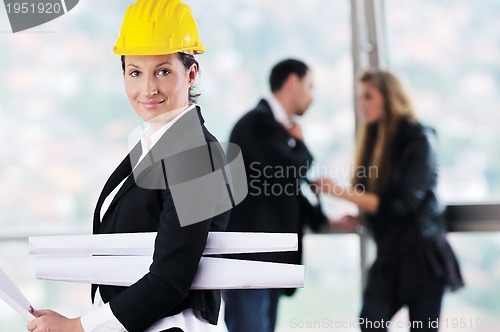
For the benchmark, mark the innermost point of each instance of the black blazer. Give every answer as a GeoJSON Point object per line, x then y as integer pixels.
{"type": "Point", "coordinates": [410, 203]}
{"type": "Point", "coordinates": [413, 254]}
{"type": "Point", "coordinates": [165, 290]}
{"type": "Point", "coordinates": [275, 164]}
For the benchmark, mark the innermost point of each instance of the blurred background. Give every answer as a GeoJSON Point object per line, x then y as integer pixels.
{"type": "Point", "coordinates": [65, 120]}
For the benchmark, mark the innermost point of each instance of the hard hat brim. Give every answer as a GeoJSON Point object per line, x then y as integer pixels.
{"type": "Point", "coordinates": [157, 50]}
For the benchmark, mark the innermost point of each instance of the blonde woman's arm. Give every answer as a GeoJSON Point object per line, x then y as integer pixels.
{"type": "Point", "coordinates": [367, 202]}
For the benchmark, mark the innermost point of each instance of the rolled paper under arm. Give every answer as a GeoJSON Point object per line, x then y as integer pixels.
{"type": "Point", "coordinates": [142, 244]}
{"type": "Point", "coordinates": [213, 273]}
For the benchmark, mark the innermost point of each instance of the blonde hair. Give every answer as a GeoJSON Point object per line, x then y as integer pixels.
{"type": "Point", "coordinates": [375, 140]}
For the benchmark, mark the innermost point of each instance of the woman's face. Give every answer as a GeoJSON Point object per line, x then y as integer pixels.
{"type": "Point", "coordinates": [157, 84]}
{"type": "Point", "coordinates": [370, 103]}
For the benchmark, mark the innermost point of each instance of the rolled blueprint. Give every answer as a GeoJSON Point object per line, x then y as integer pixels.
{"type": "Point", "coordinates": [142, 244]}
{"type": "Point", "coordinates": [213, 273]}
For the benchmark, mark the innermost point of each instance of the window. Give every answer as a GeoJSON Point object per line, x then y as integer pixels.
{"type": "Point", "coordinates": [446, 52]}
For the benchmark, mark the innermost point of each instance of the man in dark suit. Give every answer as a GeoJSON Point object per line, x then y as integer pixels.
{"type": "Point", "coordinates": [276, 162]}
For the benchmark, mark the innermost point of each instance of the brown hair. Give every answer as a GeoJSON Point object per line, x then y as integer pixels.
{"type": "Point", "coordinates": [375, 140]}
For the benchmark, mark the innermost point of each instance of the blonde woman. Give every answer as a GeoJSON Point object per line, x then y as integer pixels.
{"type": "Point", "coordinates": [395, 189]}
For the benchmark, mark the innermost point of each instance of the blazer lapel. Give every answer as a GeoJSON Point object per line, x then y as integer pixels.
{"type": "Point", "coordinates": [125, 169]}
{"type": "Point", "coordinates": [121, 172]}
{"type": "Point", "coordinates": [175, 140]}
{"type": "Point", "coordinates": [134, 176]}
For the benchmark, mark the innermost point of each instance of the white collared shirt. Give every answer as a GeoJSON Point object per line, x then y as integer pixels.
{"type": "Point", "coordinates": [101, 319]}
{"type": "Point", "coordinates": [148, 140]}
{"type": "Point", "coordinates": [282, 117]}
{"type": "Point", "coordinates": [279, 112]}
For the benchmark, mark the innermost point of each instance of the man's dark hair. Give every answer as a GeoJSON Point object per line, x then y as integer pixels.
{"type": "Point", "coordinates": [187, 60]}
{"type": "Point", "coordinates": [283, 69]}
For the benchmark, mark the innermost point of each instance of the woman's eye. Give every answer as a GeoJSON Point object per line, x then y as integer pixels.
{"type": "Point", "coordinates": [134, 73]}
{"type": "Point", "coordinates": [163, 72]}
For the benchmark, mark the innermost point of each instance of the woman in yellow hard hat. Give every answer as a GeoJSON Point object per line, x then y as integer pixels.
{"type": "Point", "coordinates": [157, 42]}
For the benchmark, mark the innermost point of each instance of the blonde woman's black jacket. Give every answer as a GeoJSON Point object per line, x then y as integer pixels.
{"type": "Point", "coordinates": [409, 227]}
{"type": "Point", "coordinates": [165, 290]}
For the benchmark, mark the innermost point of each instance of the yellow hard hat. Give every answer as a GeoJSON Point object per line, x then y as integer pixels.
{"type": "Point", "coordinates": [155, 27]}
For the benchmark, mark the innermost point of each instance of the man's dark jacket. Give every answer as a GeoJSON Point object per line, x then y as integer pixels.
{"type": "Point", "coordinates": [276, 166]}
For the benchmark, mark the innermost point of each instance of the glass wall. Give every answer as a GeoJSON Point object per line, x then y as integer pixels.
{"type": "Point", "coordinates": [331, 298]}
{"type": "Point", "coordinates": [447, 54]}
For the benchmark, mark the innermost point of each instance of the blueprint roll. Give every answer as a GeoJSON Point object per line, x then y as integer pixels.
{"type": "Point", "coordinates": [213, 273]}
{"type": "Point", "coordinates": [142, 244]}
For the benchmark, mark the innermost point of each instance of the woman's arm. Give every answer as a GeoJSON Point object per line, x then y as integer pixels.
{"type": "Point", "coordinates": [419, 176]}
{"type": "Point", "coordinates": [367, 202]}
{"type": "Point", "coordinates": [175, 262]}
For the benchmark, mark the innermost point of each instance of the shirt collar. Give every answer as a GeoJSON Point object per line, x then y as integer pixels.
{"type": "Point", "coordinates": [279, 112]}
{"type": "Point", "coordinates": [148, 139]}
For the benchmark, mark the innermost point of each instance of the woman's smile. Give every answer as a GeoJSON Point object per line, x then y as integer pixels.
{"type": "Point", "coordinates": [151, 104]}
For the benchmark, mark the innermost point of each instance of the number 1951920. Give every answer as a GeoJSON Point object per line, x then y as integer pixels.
{"type": "Point", "coordinates": [32, 8]}
{"type": "Point", "coordinates": [484, 324]}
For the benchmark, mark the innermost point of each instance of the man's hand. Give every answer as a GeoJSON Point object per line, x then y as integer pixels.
{"type": "Point", "coordinates": [346, 224]}
{"type": "Point", "coordinates": [295, 130]}
{"type": "Point", "coordinates": [349, 223]}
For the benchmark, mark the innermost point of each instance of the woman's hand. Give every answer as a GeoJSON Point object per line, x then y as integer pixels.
{"type": "Point", "coordinates": [48, 320]}
{"type": "Point", "coordinates": [349, 223]}
{"type": "Point", "coordinates": [366, 201]}
{"type": "Point", "coordinates": [325, 185]}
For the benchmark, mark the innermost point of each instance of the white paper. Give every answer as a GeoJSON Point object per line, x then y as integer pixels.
{"type": "Point", "coordinates": [130, 244]}
{"type": "Point", "coordinates": [142, 244]}
{"type": "Point", "coordinates": [13, 296]}
{"type": "Point", "coordinates": [213, 273]}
